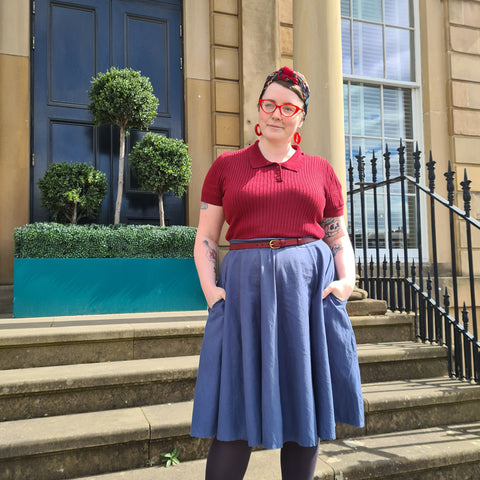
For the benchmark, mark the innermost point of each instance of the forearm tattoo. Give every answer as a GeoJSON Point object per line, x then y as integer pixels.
{"type": "Point", "coordinates": [203, 205]}
{"type": "Point", "coordinates": [331, 226]}
{"type": "Point", "coordinates": [335, 248]}
{"type": "Point", "coordinates": [211, 253]}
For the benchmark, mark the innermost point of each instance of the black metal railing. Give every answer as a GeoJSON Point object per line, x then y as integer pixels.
{"type": "Point", "coordinates": [402, 277]}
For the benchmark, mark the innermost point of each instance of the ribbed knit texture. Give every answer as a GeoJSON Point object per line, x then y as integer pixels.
{"type": "Point", "coordinates": [262, 199]}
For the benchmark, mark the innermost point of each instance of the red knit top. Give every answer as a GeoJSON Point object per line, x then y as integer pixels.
{"type": "Point", "coordinates": [263, 199]}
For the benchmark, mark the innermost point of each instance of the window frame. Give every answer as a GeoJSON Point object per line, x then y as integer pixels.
{"type": "Point", "coordinates": [415, 88]}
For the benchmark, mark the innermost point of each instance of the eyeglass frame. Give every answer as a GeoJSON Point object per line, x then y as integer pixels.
{"type": "Point", "coordinates": [297, 109]}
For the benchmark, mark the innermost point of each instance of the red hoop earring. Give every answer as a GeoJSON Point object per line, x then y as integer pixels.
{"type": "Point", "coordinates": [297, 138]}
{"type": "Point", "coordinates": [258, 132]}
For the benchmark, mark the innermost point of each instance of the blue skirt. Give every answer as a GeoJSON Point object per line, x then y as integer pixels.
{"type": "Point", "coordinates": [277, 363]}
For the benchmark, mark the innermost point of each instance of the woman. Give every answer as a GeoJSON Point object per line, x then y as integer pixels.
{"type": "Point", "coordinates": [278, 365]}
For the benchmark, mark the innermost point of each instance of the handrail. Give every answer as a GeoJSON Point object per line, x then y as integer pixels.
{"type": "Point", "coordinates": [406, 291]}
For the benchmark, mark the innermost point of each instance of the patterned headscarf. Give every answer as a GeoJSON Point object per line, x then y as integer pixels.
{"type": "Point", "coordinates": [288, 75]}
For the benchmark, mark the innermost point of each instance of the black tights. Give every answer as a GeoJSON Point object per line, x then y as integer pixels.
{"type": "Point", "coordinates": [229, 461]}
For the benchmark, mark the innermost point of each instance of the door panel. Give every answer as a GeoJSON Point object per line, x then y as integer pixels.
{"type": "Point", "coordinates": [76, 39]}
{"type": "Point", "coordinates": [79, 146]}
{"type": "Point", "coordinates": [69, 50]}
{"type": "Point", "coordinates": [72, 37]}
{"type": "Point", "coordinates": [151, 45]}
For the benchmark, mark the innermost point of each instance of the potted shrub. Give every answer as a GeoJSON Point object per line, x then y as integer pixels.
{"type": "Point", "coordinates": [161, 164]}
{"type": "Point", "coordinates": [96, 269]}
{"type": "Point", "coordinates": [72, 191]}
{"type": "Point", "coordinates": [122, 97]}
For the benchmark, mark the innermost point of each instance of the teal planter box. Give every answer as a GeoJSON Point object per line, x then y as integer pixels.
{"type": "Point", "coordinates": [88, 286]}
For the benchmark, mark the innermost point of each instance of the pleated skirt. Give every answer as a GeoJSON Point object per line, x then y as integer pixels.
{"type": "Point", "coordinates": [278, 363]}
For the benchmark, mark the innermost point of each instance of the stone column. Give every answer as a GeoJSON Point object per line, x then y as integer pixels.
{"type": "Point", "coordinates": [14, 127]}
{"type": "Point", "coordinates": [260, 56]}
{"type": "Point", "coordinates": [198, 101]}
{"type": "Point", "coordinates": [317, 53]}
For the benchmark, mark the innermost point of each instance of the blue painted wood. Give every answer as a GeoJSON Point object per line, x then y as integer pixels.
{"type": "Point", "coordinates": [71, 46]}
{"type": "Point", "coordinates": [75, 40]}
{"type": "Point", "coordinates": [87, 286]}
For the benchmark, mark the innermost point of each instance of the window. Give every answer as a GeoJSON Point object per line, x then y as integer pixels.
{"type": "Point", "coordinates": [381, 96]}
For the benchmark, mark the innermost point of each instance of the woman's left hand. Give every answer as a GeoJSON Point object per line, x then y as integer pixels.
{"type": "Point", "coordinates": [342, 289]}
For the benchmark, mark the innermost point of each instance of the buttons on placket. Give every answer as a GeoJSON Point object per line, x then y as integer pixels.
{"type": "Point", "coordinates": [278, 173]}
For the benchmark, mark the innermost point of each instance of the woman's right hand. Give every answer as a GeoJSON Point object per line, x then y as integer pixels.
{"type": "Point", "coordinates": [205, 251]}
{"type": "Point", "coordinates": [213, 296]}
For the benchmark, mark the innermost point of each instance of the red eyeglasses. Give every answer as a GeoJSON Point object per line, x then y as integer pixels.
{"type": "Point", "coordinates": [286, 110]}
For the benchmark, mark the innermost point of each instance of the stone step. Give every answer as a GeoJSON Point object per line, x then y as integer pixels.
{"type": "Point", "coordinates": [82, 444]}
{"type": "Point", "coordinates": [49, 341]}
{"type": "Point", "coordinates": [73, 340]}
{"type": "Point", "coordinates": [411, 404]}
{"type": "Point", "coordinates": [68, 389]}
{"type": "Point", "coordinates": [440, 453]}
{"type": "Point", "coordinates": [63, 389]}
{"type": "Point", "coordinates": [390, 361]}
{"type": "Point", "coordinates": [74, 446]}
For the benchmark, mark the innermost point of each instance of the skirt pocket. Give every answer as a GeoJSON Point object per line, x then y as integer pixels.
{"type": "Point", "coordinates": [207, 390]}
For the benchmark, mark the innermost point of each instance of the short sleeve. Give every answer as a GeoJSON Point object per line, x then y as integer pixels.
{"type": "Point", "coordinates": [212, 186]}
{"type": "Point", "coordinates": [334, 203]}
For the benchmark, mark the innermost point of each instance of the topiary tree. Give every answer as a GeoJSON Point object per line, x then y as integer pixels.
{"type": "Point", "coordinates": [161, 165]}
{"type": "Point", "coordinates": [72, 191]}
{"type": "Point", "coordinates": [123, 98]}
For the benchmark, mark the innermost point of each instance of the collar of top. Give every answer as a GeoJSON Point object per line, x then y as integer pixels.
{"type": "Point", "coordinates": [294, 163]}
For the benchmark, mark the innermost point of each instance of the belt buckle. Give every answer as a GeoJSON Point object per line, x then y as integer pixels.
{"type": "Point", "coordinates": [274, 246]}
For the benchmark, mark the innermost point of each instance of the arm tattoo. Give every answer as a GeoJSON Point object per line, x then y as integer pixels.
{"type": "Point", "coordinates": [203, 206]}
{"type": "Point", "coordinates": [335, 248]}
{"type": "Point", "coordinates": [331, 226]}
{"type": "Point", "coordinates": [211, 253]}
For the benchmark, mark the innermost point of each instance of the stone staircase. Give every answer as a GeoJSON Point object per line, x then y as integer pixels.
{"type": "Point", "coordinates": [102, 397]}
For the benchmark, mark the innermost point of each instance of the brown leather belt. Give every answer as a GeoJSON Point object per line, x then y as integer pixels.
{"type": "Point", "coordinates": [274, 244]}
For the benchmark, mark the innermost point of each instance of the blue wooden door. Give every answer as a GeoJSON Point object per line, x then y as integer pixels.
{"type": "Point", "coordinates": [76, 39]}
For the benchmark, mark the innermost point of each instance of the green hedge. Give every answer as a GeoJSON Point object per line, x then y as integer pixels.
{"type": "Point", "coordinates": [54, 240]}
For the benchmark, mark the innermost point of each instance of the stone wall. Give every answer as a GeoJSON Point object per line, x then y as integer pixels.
{"type": "Point", "coordinates": [226, 75]}
{"type": "Point", "coordinates": [464, 109]}
{"type": "Point", "coordinates": [14, 127]}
